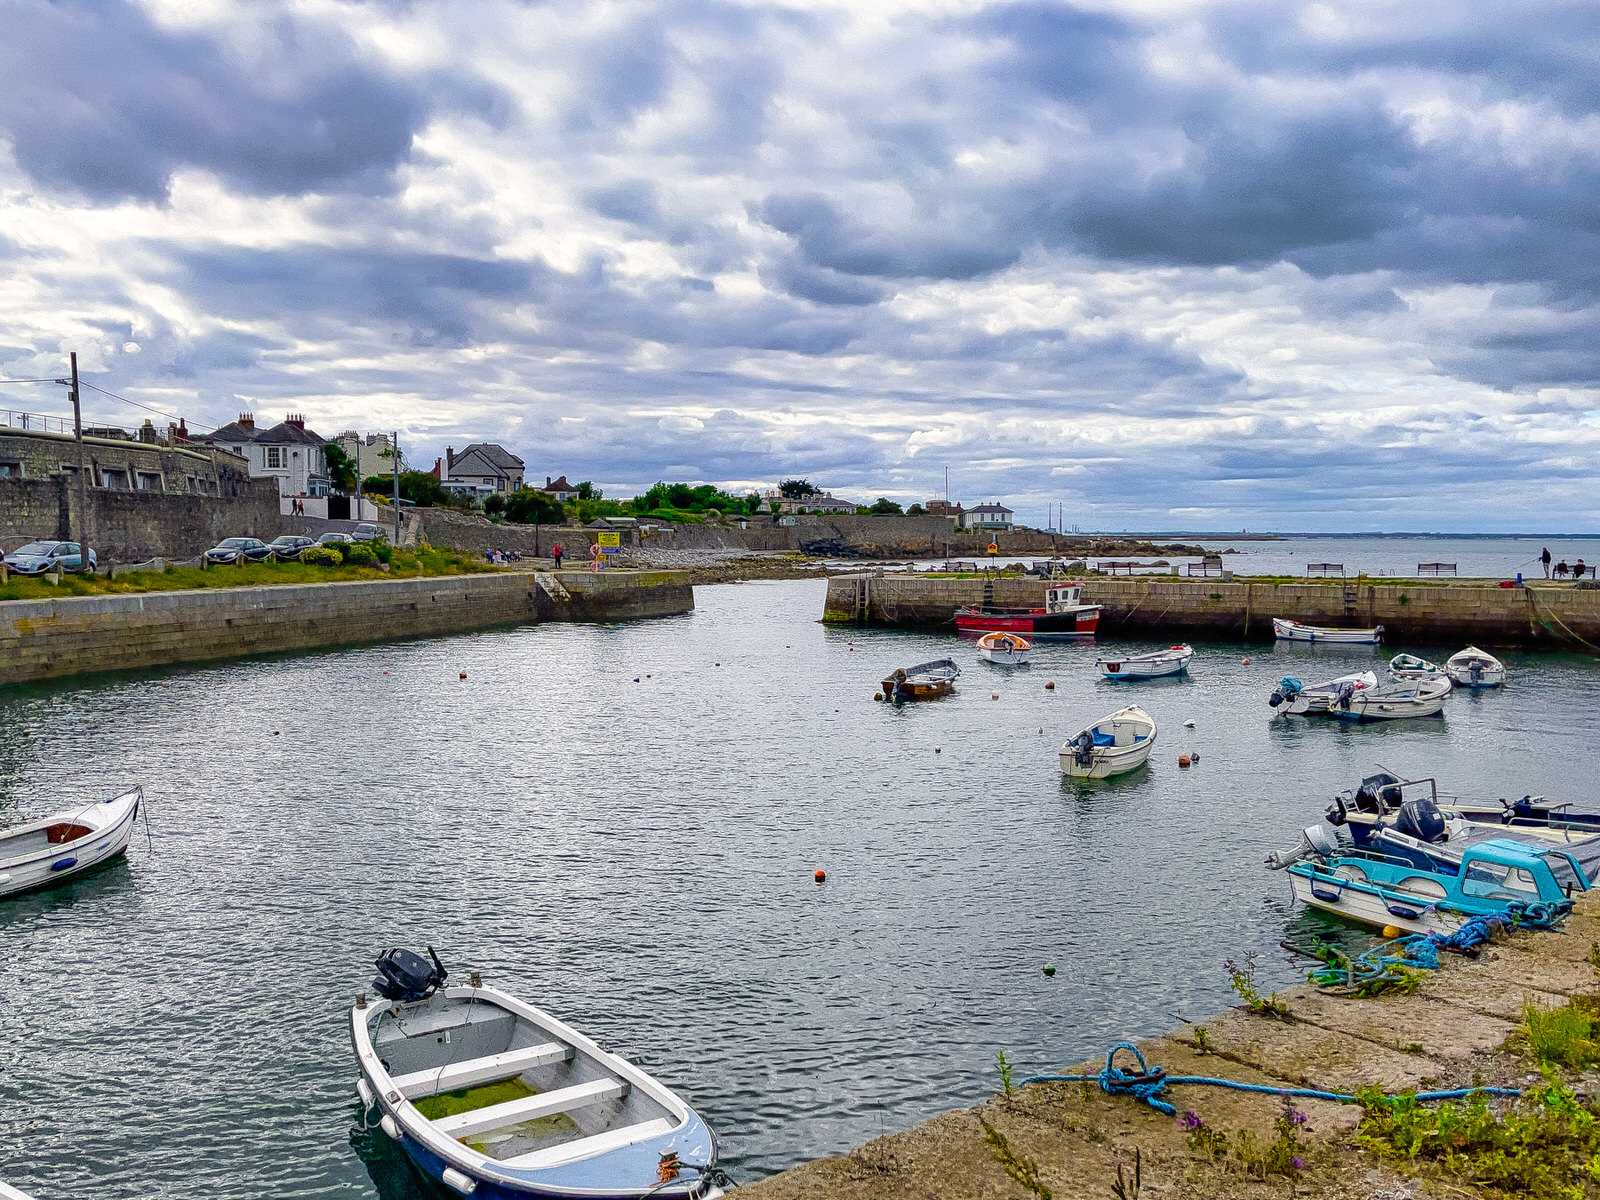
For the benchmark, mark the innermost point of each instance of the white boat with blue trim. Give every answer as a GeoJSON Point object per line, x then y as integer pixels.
{"type": "Point", "coordinates": [56, 848]}
{"type": "Point", "coordinates": [494, 1098]}
{"type": "Point", "coordinates": [1113, 745]}
{"type": "Point", "coordinates": [1174, 660]}
{"type": "Point", "coordinates": [1293, 631]}
{"type": "Point", "coordinates": [1409, 666]}
{"type": "Point", "coordinates": [1293, 698]}
{"type": "Point", "coordinates": [1393, 700]}
{"type": "Point", "coordinates": [1474, 668]}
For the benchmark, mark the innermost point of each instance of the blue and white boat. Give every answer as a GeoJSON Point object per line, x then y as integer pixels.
{"type": "Point", "coordinates": [1409, 666]}
{"type": "Point", "coordinates": [1174, 660]}
{"type": "Point", "coordinates": [494, 1098]}
{"type": "Point", "coordinates": [52, 850]}
{"type": "Point", "coordinates": [1474, 668]}
{"type": "Point", "coordinates": [1492, 876]}
{"type": "Point", "coordinates": [1393, 700]}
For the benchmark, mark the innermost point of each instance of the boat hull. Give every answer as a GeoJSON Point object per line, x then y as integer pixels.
{"type": "Point", "coordinates": [908, 690]}
{"type": "Point", "coordinates": [1376, 706]}
{"type": "Point", "coordinates": [1293, 631]}
{"type": "Point", "coordinates": [1145, 666]}
{"type": "Point", "coordinates": [50, 866]}
{"type": "Point", "coordinates": [1123, 742]}
{"type": "Point", "coordinates": [1080, 622]}
{"type": "Point", "coordinates": [1487, 679]}
{"type": "Point", "coordinates": [1006, 658]}
{"type": "Point", "coordinates": [1111, 762]}
{"type": "Point", "coordinates": [1366, 905]}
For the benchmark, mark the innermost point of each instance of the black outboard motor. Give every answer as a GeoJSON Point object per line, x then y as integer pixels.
{"type": "Point", "coordinates": [1422, 820]}
{"type": "Point", "coordinates": [1083, 748]}
{"type": "Point", "coordinates": [405, 976]}
{"type": "Point", "coordinates": [1346, 691]}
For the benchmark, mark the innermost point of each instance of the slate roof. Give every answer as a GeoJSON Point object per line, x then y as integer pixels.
{"type": "Point", "coordinates": [990, 508]}
{"type": "Point", "coordinates": [472, 461]}
{"type": "Point", "coordinates": [495, 455]}
{"type": "Point", "coordinates": [560, 485]}
{"type": "Point", "coordinates": [288, 432]}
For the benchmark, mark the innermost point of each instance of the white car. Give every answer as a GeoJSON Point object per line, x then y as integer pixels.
{"type": "Point", "coordinates": [38, 557]}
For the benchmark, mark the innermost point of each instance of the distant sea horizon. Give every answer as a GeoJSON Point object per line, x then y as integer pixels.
{"type": "Point", "coordinates": [1221, 535]}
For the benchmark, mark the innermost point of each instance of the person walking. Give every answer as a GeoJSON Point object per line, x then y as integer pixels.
{"type": "Point", "coordinates": [1545, 559]}
{"type": "Point", "coordinates": [555, 553]}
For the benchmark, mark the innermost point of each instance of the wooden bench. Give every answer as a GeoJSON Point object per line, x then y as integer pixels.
{"type": "Point", "coordinates": [1436, 568]}
{"type": "Point", "coordinates": [1116, 566]}
{"type": "Point", "coordinates": [624, 1135]}
{"type": "Point", "coordinates": [472, 1071]}
{"type": "Point", "coordinates": [1206, 566]}
{"type": "Point", "coordinates": [530, 1108]}
{"type": "Point", "coordinates": [1325, 569]}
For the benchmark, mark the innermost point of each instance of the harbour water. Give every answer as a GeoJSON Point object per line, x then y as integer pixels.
{"type": "Point", "coordinates": [609, 823]}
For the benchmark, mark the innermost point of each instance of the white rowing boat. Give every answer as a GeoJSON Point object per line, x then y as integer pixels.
{"type": "Point", "coordinates": [53, 849]}
{"type": "Point", "coordinates": [1293, 698]}
{"type": "Point", "coordinates": [1113, 745]}
{"type": "Point", "coordinates": [1294, 631]}
{"type": "Point", "coordinates": [1409, 666]}
{"type": "Point", "coordinates": [493, 1097]}
{"type": "Point", "coordinates": [1174, 660]}
{"type": "Point", "coordinates": [1392, 701]}
{"type": "Point", "coordinates": [1008, 649]}
{"type": "Point", "coordinates": [1474, 668]}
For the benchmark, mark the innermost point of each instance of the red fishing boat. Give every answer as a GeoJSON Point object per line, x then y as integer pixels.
{"type": "Point", "coordinates": [1063, 616]}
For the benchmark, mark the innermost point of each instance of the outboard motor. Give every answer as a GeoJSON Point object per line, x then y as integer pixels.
{"type": "Point", "coordinates": [1083, 748]}
{"type": "Point", "coordinates": [1475, 669]}
{"type": "Point", "coordinates": [1346, 690]}
{"type": "Point", "coordinates": [1288, 688]}
{"type": "Point", "coordinates": [1315, 842]}
{"type": "Point", "coordinates": [1422, 820]}
{"type": "Point", "coordinates": [405, 976]}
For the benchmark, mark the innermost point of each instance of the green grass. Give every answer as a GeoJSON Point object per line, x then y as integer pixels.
{"type": "Point", "coordinates": [1563, 1037]}
{"type": "Point", "coordinates": [406, 564]}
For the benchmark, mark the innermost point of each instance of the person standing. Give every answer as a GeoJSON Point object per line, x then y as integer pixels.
{"type": "Point", "coordinates": [1545, 559]}
{"type": "Point", "coordinates": [555, 553]}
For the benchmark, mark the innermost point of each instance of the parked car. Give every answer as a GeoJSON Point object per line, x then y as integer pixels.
{"type": "Point", "coordinates": [289, 545]}
{"type": "Point", "coordinates": [365, 532]}
{"type": "Point", "coordinates": [244, 549]}
{"type": "Point", "coordinates": [335, 537]}
{"type": "Point", "coordinates": [38, 557]}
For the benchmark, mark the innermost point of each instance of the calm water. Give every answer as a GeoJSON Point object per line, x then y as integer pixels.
{"type": "Point", "coordinates": [637, 857]}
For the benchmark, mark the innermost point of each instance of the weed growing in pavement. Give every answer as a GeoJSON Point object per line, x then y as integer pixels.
{"type": "Point", "coordinates": [1242, 979]}
{"type": "Point", "coordinates": [1004, 1066]}
{"type": "Point", "coordinates": [1203, 1139]}
{"type": "Point", "coordinates": [1563, 1037]}
{"type": "Point", "coordinates": [1023, 1170]}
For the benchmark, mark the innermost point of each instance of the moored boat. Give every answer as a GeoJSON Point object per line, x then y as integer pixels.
{"type": "Point", "coordinates": [1493, 876]}
{"type": "Point", "coordinates": [1474, 668]}
{"type": "Point", "coordinates": [925, 681]}
{"type": "Point", "coordinates": [1113, 745]}
{"type": "Point", "coordinates": [1409, 666]}
{"type": "Point", "coordinates": [495, 1098]}
{"type": "Point", "coordinates": [1009, 649]}
{"type": "Point", "coordinates": [1378, 802]}
{"type": "Point", "coordinates": [1063, 616]}
{"type": "Point", "coordinates": [1391, 701]}
{"type": "Point", "coordinates": [53, 849]}
{"type": "Point", "coordinates": [7, 1192]}
{"type": "Point", "coordinates": [1294, 631]}
{"type": "Point", "coordinates": [1293, 698]}
{"type": "Point", "coordinates": [1174, 660]}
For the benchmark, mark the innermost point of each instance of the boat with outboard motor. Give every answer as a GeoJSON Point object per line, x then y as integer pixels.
{"type": "Point", "coordinates": [497, 1099]}
{"type": "Point", "coordinates": [1064, 615]}
{"type": "Point", "coordinates": [925, 681]}
{"type": "Point", "coordinates": [1174, 660]}
{"type": "Point", "coordinates": [1381, 799]}
{"type": "Point", "coordinates": [1293, 631]}
{"type": "Point", "coordinates": [1007, 649]}
{"type": "Point", "coordinates": [1496, 875]}
{"type": "Point", "coordinates": [51, 850]}
{"type": "Point", "coordinates": [1394, 700]}
{"type": "Point", "coordinates": [1293, 698]}
{"type": "Point", "coordinates": [1409, 666]}
{"type": "Point", "coordinates": [1474, 668]}
{"type": "Point", "coordinates": [1113, 745]}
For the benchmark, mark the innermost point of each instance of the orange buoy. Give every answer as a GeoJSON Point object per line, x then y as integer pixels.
{"type": "Point", "coordinates": [877, 695]}
{"type": "Point", "coordinates": [463, 674]}
{"type": "Point", "coordinates": [1183, 760]}
{"type": "Point", "coordinates": [1245, 661]}
{"type": "Point", "coordinates": [1051, 686]}
{"type": "Point", "coordinates": [386, 672]}
{"type": "Point", "coordinates": [716, 664]}
{"type": "Point", "coordinates": [821, 876]}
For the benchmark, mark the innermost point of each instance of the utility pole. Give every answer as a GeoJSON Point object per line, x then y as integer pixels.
{"type": "Point", "coordinates": [83, 472]}
{"type": "Point", "coordinates": [397, 488]}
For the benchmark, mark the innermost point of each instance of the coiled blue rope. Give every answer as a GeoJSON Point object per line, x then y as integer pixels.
{"type": "Point", "coordinates": [1384, 963]}
{"type": "Point", "coordinates": [1147, 1084]}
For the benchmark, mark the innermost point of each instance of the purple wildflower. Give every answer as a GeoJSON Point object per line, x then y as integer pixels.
{"type": "Point", "coordinates": [1297, 1162]}
{"type": "Point", "coordinates": [1190, 1120]}
{"type": "Point", "coordinates": [1297, 1118]}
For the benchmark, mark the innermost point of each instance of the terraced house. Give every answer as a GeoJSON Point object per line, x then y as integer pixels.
{"type": "Point", "coordinates": [287, 452]}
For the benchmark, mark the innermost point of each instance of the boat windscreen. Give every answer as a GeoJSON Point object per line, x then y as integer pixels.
{"type": "Point", "coordinates": [1566, 877]}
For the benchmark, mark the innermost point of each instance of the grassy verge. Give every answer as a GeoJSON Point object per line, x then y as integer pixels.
{"type": "Point", "coordinates": [405, 564]}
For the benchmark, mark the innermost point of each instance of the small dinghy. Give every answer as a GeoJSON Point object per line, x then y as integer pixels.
{"type": "Point", "coordinates": [1008, 648]}
{"type": "Point", "coordinates": [1392, 701]}
{"type": "Point", "coordinates": [494, 1098]}
{"type": "Point", "coordinates": [1113, 745]}
{"type": "Point", "coordinates": [926, 681]}
{"type": "Point", "coordinates": [1493, 876]}
{"type": "Point", "coordinates": [1293, 631]}
{"type": "Point", "coordinates": [1474, 668]}
{"type": "Point", "coordinates": [1174, 660]}
{"type": "Point", "coordinates": [44, 853]}
{"type": "Point", "coordinates": [1293, 698]}
{"type": "Point", "coordinates": [1409, 666]}
{"type": "Point", "coordinates": [7, 1192]}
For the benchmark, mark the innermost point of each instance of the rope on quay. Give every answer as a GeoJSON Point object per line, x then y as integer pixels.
{"type": "Point", "coordinates": [1148, 1082]}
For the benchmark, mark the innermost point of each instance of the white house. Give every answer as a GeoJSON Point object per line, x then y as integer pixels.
{"type": "Point", "coordinates": [288, 452]}
{"type": "Point", "coordinates": [559, 490]}
{"type": "Point", "coordinates": [988, 517]}
{"type": "Point", "coordinates": [816, 502]}
{"type": "Point", "coordinates": [482, 467]}
{"type": "Point", "coordinates": [372, 455]}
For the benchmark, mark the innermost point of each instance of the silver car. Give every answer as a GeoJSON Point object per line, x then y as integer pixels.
{"type": "Point", "coordinates": [38, 557]}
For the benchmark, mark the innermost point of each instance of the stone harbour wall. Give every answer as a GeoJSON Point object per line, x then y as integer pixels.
{"type": "Point", "coordinates": [45, 639]}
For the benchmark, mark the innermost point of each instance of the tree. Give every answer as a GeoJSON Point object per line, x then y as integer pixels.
{"type": "Point", "coordinates": [796, 489]}
{"type": "Point", "coordinates": [885, 508]}
{"type": "Point", "coordinates": [916, 510]}
{"type": "Point", "coordinates": [533, 506]}
{"type": "Point", "coordinates": [341, 470]}
{"type": "Point", "coordinates": [588, 491]}
{"type": "Point", "coordinates": [495, 504]}
{"type": "Point", "coordinates": [419, 487]}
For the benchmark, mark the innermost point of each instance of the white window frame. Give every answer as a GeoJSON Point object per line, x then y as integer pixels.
{"type": "Point", "coordinates": [274, 458]}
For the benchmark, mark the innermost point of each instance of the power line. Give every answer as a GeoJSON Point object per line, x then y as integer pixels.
{"type": "Point", "coordinates": [136, 404]}
{"type": "Point", "coordinates": [63, 382]}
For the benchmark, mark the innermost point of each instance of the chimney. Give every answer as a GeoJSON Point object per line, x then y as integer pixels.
{"type": "Point", "coordinates": [438, 469]}
{"type": "Point", "coordinates": [147, 433]}
{"type": "Point", "coordinates": [298, 420]}
{"type": "Point", "coordinates": [248, 421]}
{"type": "Point", "coordinates": [547, 482]}
{"type": "Point", "coordinates": [449, 458]}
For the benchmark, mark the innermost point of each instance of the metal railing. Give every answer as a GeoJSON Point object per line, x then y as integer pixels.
{"type": "Point", "coordinates": [34, 421]}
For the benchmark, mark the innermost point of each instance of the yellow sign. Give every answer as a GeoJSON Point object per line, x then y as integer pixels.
{"type": "Point", "coordinates": [610, 539]}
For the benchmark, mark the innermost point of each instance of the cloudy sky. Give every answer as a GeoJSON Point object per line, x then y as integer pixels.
{"type": "Point", "coordinates": [1324, 266]}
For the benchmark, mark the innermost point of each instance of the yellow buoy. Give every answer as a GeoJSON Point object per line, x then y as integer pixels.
{"type": "Point", "coordinates": [1392, 931]}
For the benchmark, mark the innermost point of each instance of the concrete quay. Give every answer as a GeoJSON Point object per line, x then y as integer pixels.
{"type": "Point", "coordinates": [1466, 611]}
{"type": "Point", "coordinates": [1452, 1033]}
{"type": "Point", "coordinates": [48, 639]}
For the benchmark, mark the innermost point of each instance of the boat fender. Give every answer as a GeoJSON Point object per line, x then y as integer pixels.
{"type": "Point", "coordinates": [390, 1126]}
{"type": "Point", "coordinates": [365, 1093]}
{"type": "Point", "coordinates": [464, 1184]}
{"type": "Point", "coordinates": [5, 878]}
{"type": "Point", "coordinates": [62, 864]}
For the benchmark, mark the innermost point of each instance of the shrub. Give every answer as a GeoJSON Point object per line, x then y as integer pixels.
{"type": "Point", "coordinates": [383, 551]}
{"type": "Point", "coordinates": [320, 556]}
{"type": "Point", "coordinates": [360, 555]}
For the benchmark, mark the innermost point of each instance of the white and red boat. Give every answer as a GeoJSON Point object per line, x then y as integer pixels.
{"type": "Point", "coordinates": [1063, 616]}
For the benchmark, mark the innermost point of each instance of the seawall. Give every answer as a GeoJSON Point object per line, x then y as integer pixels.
{"type": "Point", "coordinates": [1161, 606]}
{"type": "Point", "coordinates": [46, 639]}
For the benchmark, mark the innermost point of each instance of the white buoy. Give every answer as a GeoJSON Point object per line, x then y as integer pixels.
{"type": "Point", "coordinates": [1189, 724]}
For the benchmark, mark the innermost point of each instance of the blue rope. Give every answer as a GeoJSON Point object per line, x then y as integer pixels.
{"type": "Point", "coordinates": [1147, 1084]}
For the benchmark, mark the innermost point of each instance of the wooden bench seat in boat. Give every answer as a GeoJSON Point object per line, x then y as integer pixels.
{"type": "Point", "coordinates": [584, 1147]}
{"type": "Point", "coordinates": [473, 1071]}
{"type": "Point", "coordinates": [530, 1108]}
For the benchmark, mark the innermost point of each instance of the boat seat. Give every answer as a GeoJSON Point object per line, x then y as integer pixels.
{"type": "Point", "coordinates": [599, 1143]}
{"type": "Point", "coordinates": [473, 1071]}
{"type": "Point", "coordinates": [1102, 739]}
{"type": "Point", "coordinates": [530, 1108]}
